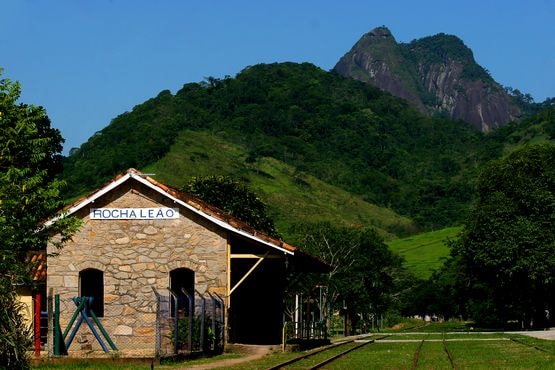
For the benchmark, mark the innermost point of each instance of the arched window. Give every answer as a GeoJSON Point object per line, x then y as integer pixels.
{"type": "Point", "coordinates": [180, 279]}
{"type": "Point", "coordinates": [91, 284]}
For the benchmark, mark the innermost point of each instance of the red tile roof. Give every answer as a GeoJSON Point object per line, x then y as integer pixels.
{"type": "Point", "coordinates": [38, 268]}
{"type": "Point", "coordinates": [201, 207]}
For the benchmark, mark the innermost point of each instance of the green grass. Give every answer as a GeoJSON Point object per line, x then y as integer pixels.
{"type": "Point", "coordinates": [432, 356]}
{"type": "Point", "coordinates": [379, 356]}
{"type": "Point", "coordinates": [300, 197]}
{"type": "Point", "coordinates": [292, 196]}
{"type": "Point", "coordinates": [450, 335]}
{"type": "Point", "coordinates": [75, 364]}
{"type": "Point", "coordinates": [425, 252]}
{"type": "Point", "coordinates": [125, 364]}
{"type": "Point", "coordinates": [499, 355]}
{"type": "Point", "coordinates": [468, 350]}
{"type": "Point", "coordinates": [435, 327]}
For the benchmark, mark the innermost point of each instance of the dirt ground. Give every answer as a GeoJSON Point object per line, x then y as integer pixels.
{"type": "Point", "coordinates": [542, 334]}
{"type": "Point", "coordinates": [252, 352]}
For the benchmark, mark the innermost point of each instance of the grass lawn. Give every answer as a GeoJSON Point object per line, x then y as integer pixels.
{"type": "Point", "coordinates": [499, 355]}
{"type": "Point", "coordinates": [432, 356]}
{"type": "Point", "coordinates": [125, 364]}
{"type": "Point", "coordinates": [426, 347]}
{"type": "Point", "coordinates": [379, 356]}
{"type": "Point", "coordinates": [92, 364]}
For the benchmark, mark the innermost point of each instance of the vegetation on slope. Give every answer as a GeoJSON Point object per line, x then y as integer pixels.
{"type": "Point", "coordinates": [342, 132]}
{"type": "Point", "coordinates": [534, 130]}
{"type": "Point", "coordinates": [292, 197]}
{"type": "Point", "coordinates": [442, 47]}
{"type": "Point", "coordinates": [424, 253]}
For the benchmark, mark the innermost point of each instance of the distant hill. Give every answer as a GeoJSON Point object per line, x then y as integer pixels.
{"type": "Point", "coordinates": [437, 74]}
{"type": "Point", "coordinates": [323, 130]}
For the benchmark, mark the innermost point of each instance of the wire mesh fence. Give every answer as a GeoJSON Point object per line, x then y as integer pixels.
{"type": "Point", "coordinates": [168, 324]}
{"type": "Point", "coordinates": [304, 330]}
{"type": "Point", "coordinates": [189, 323]}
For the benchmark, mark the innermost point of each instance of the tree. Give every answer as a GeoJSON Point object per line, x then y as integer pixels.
{"type": "Point", "coordinates": [29, 195]}
{"type": "Point", "coordinates": [442, 294]}
{"type": "Point", "coordinates": [507, 246]}
{"type": "Point", "coordinates": [233, 197]}
{"type": "Point", "coordinates": [365, 274]}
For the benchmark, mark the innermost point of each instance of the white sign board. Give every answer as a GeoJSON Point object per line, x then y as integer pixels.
{"type": "Point", "coordinates": [134, 213]}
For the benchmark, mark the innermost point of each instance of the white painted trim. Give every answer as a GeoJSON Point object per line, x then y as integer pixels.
{"type": "Point", "coordinates": [147, 183]}
{"type": "Point", "coordinates": [215, 220]}
{"type": "Point", "coordinates": [90, 200]}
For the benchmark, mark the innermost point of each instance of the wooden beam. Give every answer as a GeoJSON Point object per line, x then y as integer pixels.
{"type": "Point", "coordinates": [273, 256]}
{"type": "Point", "coordinates": [249, 272]}
{"type": "Point", "coordinates": [228, 285]}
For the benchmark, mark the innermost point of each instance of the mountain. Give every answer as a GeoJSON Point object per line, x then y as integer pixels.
{"type": "Point", "coordinates": [438, 75]}
{"type": "Point", "coordinates": [325, 131]}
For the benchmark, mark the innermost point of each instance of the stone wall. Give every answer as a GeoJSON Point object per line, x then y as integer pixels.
{"type": "Point", "coordinates": [136, 256]}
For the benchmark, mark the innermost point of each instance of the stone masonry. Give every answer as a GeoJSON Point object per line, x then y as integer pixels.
{"type": "Point", "coordinates": [135, 256]}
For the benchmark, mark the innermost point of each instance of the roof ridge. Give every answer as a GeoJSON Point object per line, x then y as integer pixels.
{"type": "Point", "coordinates": [192, 201]}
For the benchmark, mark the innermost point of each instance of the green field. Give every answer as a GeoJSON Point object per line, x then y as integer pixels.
{"type": "Point", "coordinates": [425, 252]}
{"type": "Point", "coordinates": [427, 351]}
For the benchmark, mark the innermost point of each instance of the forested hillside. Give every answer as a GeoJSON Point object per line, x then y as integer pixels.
{"type": "Point", "coordinates": [536, 129]}
{"type": "Point", "coordinates": [293, 197]}
{"type": "Point", "coordinates": [342, 132]}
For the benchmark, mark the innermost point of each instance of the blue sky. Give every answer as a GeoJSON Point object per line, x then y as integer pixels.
{"type": "Point", "coordinates": [88, 61]}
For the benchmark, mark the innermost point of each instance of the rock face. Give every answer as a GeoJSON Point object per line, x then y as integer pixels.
{"type": "Point", "coordinates": [437, 74]}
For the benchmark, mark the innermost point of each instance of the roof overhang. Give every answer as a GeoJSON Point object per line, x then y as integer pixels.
{"type": "Point", "coordinates": [164, 190]}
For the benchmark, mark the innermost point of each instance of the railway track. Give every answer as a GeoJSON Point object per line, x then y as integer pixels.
{"type": "Point", "coordinates": [348, 345]}
{"type": "Point", "coordinates": [339, 350]}
{"type": "Point", "coordinates": [416, 357]}
{"type": "Point", "coordinates": [418, 351]}
{"type": "Point", "coordinates": [345, 347]}
{"type": "Point", "coordinates": [328, 355]}
{"type": "Point", "coordinates": [449, 354]}
{"type": "Point", "coordinates": [530, 345]}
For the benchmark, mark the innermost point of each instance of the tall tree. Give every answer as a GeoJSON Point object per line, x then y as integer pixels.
{"type": "Point", "coordinates": [365, 274]}
{"type": "Point", "coordinates": [234, 198]}
{"type": "Point", "coordinates": [29, 195]}
{"type": "Point", "coordinates": [507, 246]}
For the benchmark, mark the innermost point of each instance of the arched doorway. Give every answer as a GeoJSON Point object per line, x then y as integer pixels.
{"type": "Point", "coordinates": [182, 279]}
{"type": "Point", "coordinates": [91, 284]}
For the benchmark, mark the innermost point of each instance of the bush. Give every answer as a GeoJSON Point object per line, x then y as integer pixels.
{"type": "Point", "coordinates": [183, 334]}
{"type": "Point", "coordinates": [15, 336]}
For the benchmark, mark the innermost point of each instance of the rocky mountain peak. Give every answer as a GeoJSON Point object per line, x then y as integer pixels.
{"type": "Point", "coordinates": [382, 31]}
{"type": "Point", "coordinates": [437, 74]}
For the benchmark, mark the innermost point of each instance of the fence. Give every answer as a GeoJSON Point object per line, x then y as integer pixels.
{"type": "Point", "coordinates": [304, 330]}
{"type": "Point", "coordinates": [155, 328]}
{"type": "Point", "coordinates": [307, 319]}
{"type": "Point", "coordinates": [189, 323]}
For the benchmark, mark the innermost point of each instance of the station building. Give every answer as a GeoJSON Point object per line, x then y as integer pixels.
{"type": "Point", "coordinates": [140, 240]}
